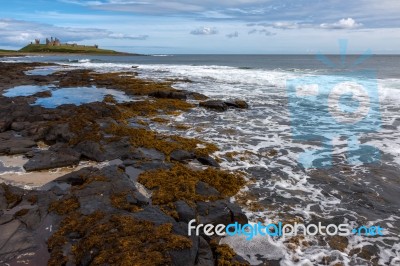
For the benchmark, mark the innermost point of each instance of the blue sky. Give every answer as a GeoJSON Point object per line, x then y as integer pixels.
{"type": "Point", "coordinates": [205, 26]}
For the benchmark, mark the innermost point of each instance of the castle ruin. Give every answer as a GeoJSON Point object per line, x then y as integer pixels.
{"type": "Point", "coordinates": [56, 42]}
{"type": "Point", "coordinates": [53, 42]}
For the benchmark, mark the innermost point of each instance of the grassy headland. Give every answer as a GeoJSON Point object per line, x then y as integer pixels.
{"type": "Point", "coordinates": [69, 49]}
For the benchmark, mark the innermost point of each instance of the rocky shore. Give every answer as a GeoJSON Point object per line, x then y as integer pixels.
{"type": "Point", "coordinates": [132, 207]}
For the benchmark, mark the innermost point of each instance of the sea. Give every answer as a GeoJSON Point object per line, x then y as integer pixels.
{"type": "Point", "coordinates": [319, 143]}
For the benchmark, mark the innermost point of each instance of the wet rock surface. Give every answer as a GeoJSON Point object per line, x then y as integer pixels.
{"type": "Point", "coordinates": [221, 106]}
{"type": "Point", "coordinates": [113, 213]}
{"type": "Point", "coordinates": [215, 105]}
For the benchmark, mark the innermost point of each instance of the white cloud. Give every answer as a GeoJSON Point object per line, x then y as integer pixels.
{"type": "Point", "coordinates": [233, 35]}
{"type": "Point", "coordinates": [205, 31]}
{"type": "Point", "coordinates": [345, 23]}
{"type": "Point", "coordinates": [285, 25]}
{"type": "Point", "coordinates": [18, 32]}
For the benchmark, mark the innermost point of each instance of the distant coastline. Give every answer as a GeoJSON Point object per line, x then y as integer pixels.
{"type": "Point", "coordinates": [55, 47]}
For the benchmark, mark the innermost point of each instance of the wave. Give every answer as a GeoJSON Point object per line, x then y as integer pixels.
{"type": "Point", "coordinates": [161, 55]}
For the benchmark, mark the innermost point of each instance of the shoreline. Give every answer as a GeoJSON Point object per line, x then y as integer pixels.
{"type": "Point", "coordinates": [22, 54]}
{"type": "Point", "coordinates": [146, 162]}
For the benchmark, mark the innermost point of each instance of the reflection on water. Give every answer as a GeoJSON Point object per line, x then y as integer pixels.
{"type": "Point", "coordinates": [80, 95]}
{"type": "Point", "coordinates": [75, 95]}
{"type": "Point", "coordinates": [43, 71]}
{"type": "Point", "coordinates": [25, 90]}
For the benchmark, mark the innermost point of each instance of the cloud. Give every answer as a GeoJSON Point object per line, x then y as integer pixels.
{"type": "Point", "coordinates": [267, 32]}
{"type": "Point", "coordinates": [380, 14]}
{"type": "Point", "coordinates": [21, 32]}
{"type": "Point", "coordinates": [252, 31]}
{"type": "Point", "coordinates": [233, 35]}
{"type": "Point", "coordinates": [345, 23]}
{"type": "Point", "coordinates": [204, 31]}
{"type": "Point", "coordinates": [127, 36]}
{"type": "Point", "coordinates": [286, 25]}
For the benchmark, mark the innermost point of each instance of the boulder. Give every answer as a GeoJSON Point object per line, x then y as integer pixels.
{"type": "Point", "coordinates": [180, 95]}
{"type": "Point", "coordinates": [133, 172]}
{"type": "Point", "coordinates": [220, 212]}
{"type": "Point", "coordinates": [5, 124]}
{"type": "Point", "coordinates": [154, 215]}
{"type": "Point", "coordinates": [181, 155]}
{"type": "Point", "coordinates": [42, 94]}
{"type": "Point", "coordinates": [206, 190]}
{"type": "Point", "coordinates": [44, 160]}
{"type": "Point", "coordinates": [216, 105]}
{"type": "Point", "coordinates": [186, 256]}
{"type": "Point", "coordinates": [60, 133]}
{"type": "Point", "coordinates": [16, 145]}
{"type": "Point", "coordinates": [207, 160]}
{"type": "Point", "coordinates": [14, 240]}
{"type": "Point", "coordinates": [205, 256]}
{"type": "Point", "coordinates": [153, 165]}
{"type": "Point", "coordinates": [90, 150]}
{"type": "Point", "coordinates": [117, 149]}
{"type": "Point", "coordinates": [240, 104]}
{"type": "Point", "coordinates": [185, 212]}
{"type": "Point", "coordinates": [18, 126]}
{"type": "Point", "coordinates": [149, 154]}
{"type": "Point", "coordinates": [213, 213]}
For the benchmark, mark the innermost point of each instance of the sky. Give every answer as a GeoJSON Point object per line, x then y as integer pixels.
{"type": "Point", "coordinates": [205, 26]}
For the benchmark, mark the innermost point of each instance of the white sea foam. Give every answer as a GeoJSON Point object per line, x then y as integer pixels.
{"type": "Point", "coordinates": [266, 126]}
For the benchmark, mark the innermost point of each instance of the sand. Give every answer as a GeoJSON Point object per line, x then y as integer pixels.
{"type": "Point", "coordinates": [12, 172]}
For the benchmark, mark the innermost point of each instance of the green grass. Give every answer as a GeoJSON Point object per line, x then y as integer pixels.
{"type": "Point", "coordinates": [80, 49]}
{"type": "Point", "coordinates": [7, 51]}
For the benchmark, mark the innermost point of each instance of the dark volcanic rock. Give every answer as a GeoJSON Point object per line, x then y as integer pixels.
{"type": "Point", "coordinates": [42, 94]}
{"type": "Point", "coordinates": [154, 215]}
{"type": "Point", "coordinates": [60, 133]}
{"type": "Point", "coordinates": [207, 160]}
{"type": "Point", "coordinates": [185, 212]}
{"type": "Point", "coordinates": [14, 240]}
{"type": "Point", "coordinates": [214, 213]}
{"type": "Point", "coordinates": [37, 130]}
{"type": "Point", "coordinates": [205, 256]}
{"type": "Point", "coordinates": [240, 104]}
{"type": "Point", "coordinates": [181, 155]}
{"type": "Point", "coordinates": [219, 212]}
{"type": "Point", "coordinates": [117, 149]}
{"type": "Point", "coordinates": [206, 190]}
{"type": "Point", "coordinates": [216, 105]}
{"type": "Point", "coordinates": [186, 256]}
{"type": "Point", "coordinates": [16, 145]}
{"type": "Point", "coordinates": [5, 124]}
{"type": "Point", "coordinates": [18, 126]}
{"type": "Point", "coordinates": [153, 165]}
{"type": "Point", "coordinates": [44, 160]}
{"type": "Point", "coordinates": [149, 154]}
{"type": "Point", "coordinates": [90, 150]}
{"type": "Point", "coordinates": [181, 95]}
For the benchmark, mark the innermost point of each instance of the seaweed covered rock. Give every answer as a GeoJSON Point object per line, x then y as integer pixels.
{"type": "Point", "coordinates": [169, 94]}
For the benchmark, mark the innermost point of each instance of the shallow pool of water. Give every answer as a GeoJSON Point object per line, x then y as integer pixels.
{"type": "Point", "coordinates": [43, 71]}
{"type": "Point", "coordinates": [25, 90]}
{"type": "Point", "coordinates": [80, 95]}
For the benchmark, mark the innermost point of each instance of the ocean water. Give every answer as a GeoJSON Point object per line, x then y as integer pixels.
{"type": "Point", "coordinates": [329, 170]}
